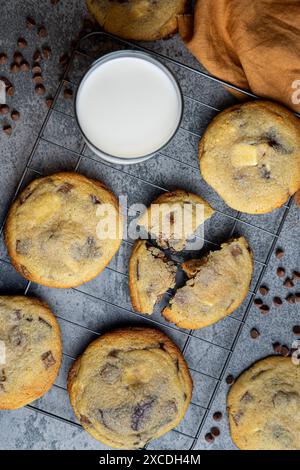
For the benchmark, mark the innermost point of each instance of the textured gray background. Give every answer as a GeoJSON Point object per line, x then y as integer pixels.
{"type": "Point", "coordinates": [212, 352]}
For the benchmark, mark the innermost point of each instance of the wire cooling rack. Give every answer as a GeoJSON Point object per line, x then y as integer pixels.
{"type": "Point", "coordinates": [103, 303]}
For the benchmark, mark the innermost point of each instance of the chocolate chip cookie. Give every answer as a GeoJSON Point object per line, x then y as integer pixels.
{"type": "Point", "coordinates": [30, 350]}
{"type": "Point", "coordinates": [151, 274]}
{"type": "Point", "coordinates": [63, 230]}
{"type": "Point", "coordinates": [263, 406]}
{"type": "Point", "coordinates": [174, 217]}
{"type": "Point", "coordinates": [130, 386]}
{"type": "Point", "coordinates": [250, 155]}
{"type": "Point", "coordinates": [218, 284]}
{"type": "Point", "coordinates": [141, 20]}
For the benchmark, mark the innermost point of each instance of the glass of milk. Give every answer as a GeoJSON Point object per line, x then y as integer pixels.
{"type": "Point", "coordinates": [128, 106]}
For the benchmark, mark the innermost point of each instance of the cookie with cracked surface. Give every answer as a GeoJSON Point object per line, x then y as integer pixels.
{"type": "Point", "coordinates": [140, 20]}
{"type": "Point", "coordinates": [151, 274]}
{"type": "Point", "coordinates": [130, 386]}
{"type": "Point", "coordinates": [52, 230]}
{"type": "Point", "coordinates": [31, 350]}
{"type": "Point", "coordinates": [263, 406]}
{"type": "Point", "coordinates": [218, 284]}
{"type": "Point", "coordinates": [250, 155]}
{"type": "Point", "coordinates": [174, 217]}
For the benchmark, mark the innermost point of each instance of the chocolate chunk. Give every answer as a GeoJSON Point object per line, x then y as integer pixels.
{"type": "Point", "coordinates": [264, 308]}
{"type": "Point", "coordinates": [40, 89]}
{"type": "Point", "coordinates": [88, 250]}
{"type": "Point", "coordinates": [110, 373]}
{"type": "Point", "coordinates": [258, 302]}
{"type": "Point", "coordinates": [209, 437]}
{"type": "Point", "coordinates": [284, 350]}
{"type": "Point", "coordinates": [17, 338]}
{"type": "Point", "coordinates": [65, 188]}
{"type": "Point", "coordinates": [15, 115]}
{"type": "Point", "coordinates": [254, 333]}
{"type": "Point", "coordinates": [46, 51]}
{"type": "Point", "coordinates": [237, 417]}
{"type": "Point", "coordinates": [23, 246]}
{"type": "Point", "coordinates": [217, 416]}
{"type": "Point", "coordinates": [229, 379]}
{"type": "Point", "coordinates": [2, 375]}
{"type": "Point", "coordinates": [18, 57]}
{"type": "Point", "coordinates": [42, 32]}
{"type": "Point", "coordinates": [7, 129]}
{"type": "Point", "coordinates": [49, 101]}
{"type": "Point", "coordinates": [291, 299]}
{"type": "Point", "coordinates": [68, 93]}
{"type": "Point", "coordinates": [280, 272]}
{"type": "Point", "coordinates": [288, 283]}
{"type": "Point", "coordinates": [264, 172]}
{"type": "Point", "coordinates": [48, 359]}
{"type": "Point", "coordinates": [246, 398]}
{"type": "Point", "coordinates": [236, 251]}
{"type": "Point", "coordinates": [85, 421]}
{"type": "Point", "coordinates": [141, 414]}
{"type": "Point", "coordinates": [94, 199]}
{"type": "Point", "coordinates": [3, 58]}
{"type": "Point", "coordinates": [279, 253]}
{"type": "Point", "coordinates": [44, 322]}
{"type": "Point", "coordinates": [276, 347]}
{"type": "Point", "coordinates": [24, 66]}
{"type": "Point", "coordinates": [4, 109]}
{"type": "Point", "coordinates": [264, 290]}
{"type": "Point", "coordinates": [30, 22]}
{"type": "Point", "coordinates": [37, 78]}
{"type": "Point", "coordinates": [277, 301]}
{"type": "Point", "coordinates": [296, 329]}
{"type": "Point", "coordinates": [296, 276]}
{"type": "Point", "coordinates": [14, 68]}
{"type": "Point", "coordinates": [22, 43]}
{"type": "Point", "coordinates": [297, 198]}
{"type": "Point", "coordinates": [215, 431]}
{"type": "Point", "coordinates": [37, 56]}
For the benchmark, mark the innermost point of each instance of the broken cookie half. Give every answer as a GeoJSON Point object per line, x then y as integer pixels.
{"type": "Point", "coordinates": [174, 217]}
{"type": "Point", "coordinates": [151, 274]}
{"type": "Point", "coordinates": [218, 284]}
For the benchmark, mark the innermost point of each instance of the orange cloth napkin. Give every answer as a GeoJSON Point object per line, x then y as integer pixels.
{"type": "Point", "coordinates": [253, 44]}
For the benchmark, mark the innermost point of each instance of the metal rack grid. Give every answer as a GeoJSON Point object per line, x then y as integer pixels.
{"type": "Point", "coordinates": [60, 136]}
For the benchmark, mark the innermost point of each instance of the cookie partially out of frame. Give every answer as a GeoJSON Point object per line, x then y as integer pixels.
{"type": "Point", "coordinates": [174, 217]}
{"type": "Point", "coordinates": [30, 350]}
{"type": "Point", "coordinates": [218, 284]}
{"type": "Point", "coordinates": [140, 20]}
{"type": "Point", "coordinates": [52, 230]}
{"type": "Point", "coordinates": [130, 386]}
{"type": "Point", "coordinates": [250, 155]}
{"type": "Point", "coordinates": [263, 406]}
{"type": "Point", "coordinates": [151, 274]}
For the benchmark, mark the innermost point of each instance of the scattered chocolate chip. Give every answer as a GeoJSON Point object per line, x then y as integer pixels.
{"type": "Point", "coordinates": [296, 329]}
{"type": "Point", "coordinates": [3, 58]}
{"type": "Point", "coordinates": [296, 276]}
{"type": "Point", "coordinates": [14, 67]}
{"type": "Point", "coordinates": [284, 350]}
{"type": "Point", "coordinates": [229, 379]}
{"type": "Point", "coordinates": [276, 347]}
{"type": "Point", "coordinates": [46, 50]}
{"type": "Point", "coordinates": [37, 56]}
{"type": "Point", "coordinates": [288, 283]}
{"type": "Point", "coordinates": [36, 68]}
{"type": "Point", "coordinates": [291, 299]}
{"type": "Point", "coordinates": [279, 253]}
{"type": "Point", "coordinates": [22, 43]}
{"type": "Point", "coordinates": [254, 333]}
{"type": "Point", "coordinates": [15, 115]}
{"type": "Point", "coordinates": [64, 59]}
{"type": "Point", "coordinates": [7, 129]}
{"type": "Point", "coordinates": [30, 22]}
{"type": "Point", "coordinates": [24, 66]}
{"type": "Point", "coordinates": [4, 109]}
{"type": "Point", "coordinates": [264, 290]}
{"type": "Point", "coordinates": [277, 301]}
{"type": "Point", "coordinates": [280, 272]}
{"type": "Point", "coordinates": [40, 89]}
{"type": "Point", "coordinates": [10, 91]}
{"type": "Point", "coordinates": [209, 437]}
{"type": "Point", "coordinates": [68, 93]}
{"type": "Point", "coordinates": [49, 101]}
{"type": "Point", "coordinates": [217, 416]}
{"type": "Point", "coordinates": [264, 308]}
{"type": "Point", "coordinates": [215, 431]}
{"type": "Point", "coordinates": [42, 32]}
{"type": "Point", "coordinates": [37, 78]}
{"type": "Point", "coordinates": [48, 359]}
{"type": "Point", "coordinates": [258, 302]}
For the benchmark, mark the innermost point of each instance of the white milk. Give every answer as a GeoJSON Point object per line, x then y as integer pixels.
{"type": "Point", "coordinates": [128, 107]}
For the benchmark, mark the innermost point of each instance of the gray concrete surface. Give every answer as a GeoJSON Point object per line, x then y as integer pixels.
{"type": "Point", "coordinates": [93, 308]}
